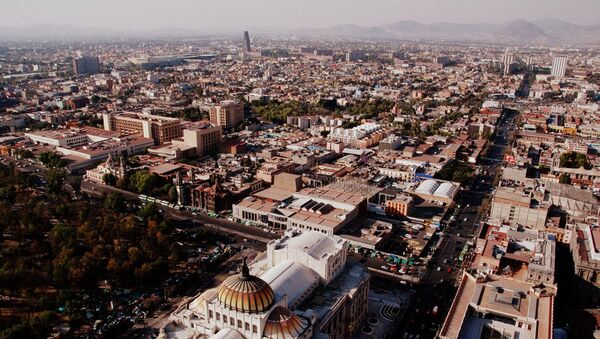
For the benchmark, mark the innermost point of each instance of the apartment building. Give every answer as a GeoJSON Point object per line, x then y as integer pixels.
{"type": "Point", "coordinates": [227, 113]}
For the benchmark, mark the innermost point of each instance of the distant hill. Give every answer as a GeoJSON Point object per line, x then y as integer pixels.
{"type": "Point", "coordinates": [518, 32]}
{"type": "Point", "coordinates": [541, 32]}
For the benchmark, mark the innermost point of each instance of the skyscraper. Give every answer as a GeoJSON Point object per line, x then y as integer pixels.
{"type": "Point", "coordinates": [246, 46]}
{"type": "Point", "coordinates": [559, 66]}
{"type": "Point", "coordinates": [86, 65]}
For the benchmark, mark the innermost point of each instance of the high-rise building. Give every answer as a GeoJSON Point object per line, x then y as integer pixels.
{"type": "Point", "coordinates": [160, 129]}
{"type": "Point", "coordinates": [246, 46]}
{"type": "Point", "coordinates": [86, 65]}
{"type": "Point", "coordinates": [507, 60]}
{"type": "Point", "coordinates": [529, 60]}
{"type": "Point", "coordinates": [559, 66]}
{"type": "Point", "coordinates": [227, 113]}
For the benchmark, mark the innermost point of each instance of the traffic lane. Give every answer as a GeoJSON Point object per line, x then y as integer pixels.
{"type": "Point", "coordinates": [214, 223]}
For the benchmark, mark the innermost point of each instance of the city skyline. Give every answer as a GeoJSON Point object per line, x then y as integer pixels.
{"type": "Point", "coordinates": [302, 170]}
{"type": "Point", "coordinates": [132, 16]}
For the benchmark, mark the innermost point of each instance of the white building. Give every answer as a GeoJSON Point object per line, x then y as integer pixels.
{"type": "Point", "coordinates": [559, 66]}
{"type": "Point", "coordinates": [263, 300]}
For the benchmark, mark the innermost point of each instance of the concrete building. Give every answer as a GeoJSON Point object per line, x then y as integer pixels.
{"type": "Point", "coordinates": [204, 137]}
{"type": "Point", "coordinates": [559, 66]}
{"type": "Point", "coordinates": [523, 206]}
{"type": "Point", "coordinates": [86, 65]}
{"type": "Point", "coordinates": [302, 287]}
{"type": "Point", "coordinates": [84, 157]}
{"type": "Point", "coordinates": [314, 209]}
{"type": "Point", "coordinates": [246, 45]}
{"type": "Point", "coordinates": [227, 113]}
{"type": "Point", "coordinates": [585, 247]}
{"type": "Point", "coordinates": [507, 60]}
{"type": "Point", "coordinates": [73, 137]}
{"type": "Point", "coordinates": [160, 129]}
{"type": "Point", "coordinates": [500, 307]}
{"type": "Point", "coordinates": [400, 206]}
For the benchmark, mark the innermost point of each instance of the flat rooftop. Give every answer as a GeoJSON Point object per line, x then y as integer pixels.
{"type": "Point", "coordinates": [502, 297]}
{"type": "Point", "coordinates": [330, 194]}
{"type": "Point", "coordinates": [274, 194]}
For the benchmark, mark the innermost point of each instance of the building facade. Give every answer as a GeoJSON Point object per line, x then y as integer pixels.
{"type": "Point", "coordinates": [302, 288]}
{"type": "Point", "coordinates": [160, 129]}
{"type": "Point", "coordinates": [86, 65]}
{"type": "Point", "coordinates": [559, 66]}
{"type": "Point", "coordinates": [227, 113]}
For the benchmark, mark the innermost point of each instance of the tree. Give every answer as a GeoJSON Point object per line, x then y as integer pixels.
{"type": "Point", "coordinates": [52, 160]}
{"type": "Point", "coordinates": [56, 178]}
{"type": "Point", "coordinates": [172, 194]}
{"type": "Point", "coordinates": [76, 184]}
{"type": "Point", "coordinates": [574, 160]}
{"type": "Point", "coordinates": [455, 171]}
{"type": "Point", "coordinates": [109, 179]}
{"type": "Point", "coordinates": [115, 201]}
{"type": "Point", "coordinates": [564, 179]}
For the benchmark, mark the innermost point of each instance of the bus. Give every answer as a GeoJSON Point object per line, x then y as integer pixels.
{"type": "Point", "coordinates": [464, 252]}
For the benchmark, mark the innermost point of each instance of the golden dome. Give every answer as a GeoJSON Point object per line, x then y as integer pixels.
{"type": "Point", "coordinates": [246, 293]}
{"type": "Point", "coordinates": [283, 324]}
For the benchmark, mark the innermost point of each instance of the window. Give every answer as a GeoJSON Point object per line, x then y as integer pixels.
{"type": "Point", "coordinates": [247, 326]}
{"type": "Point", "coordinates": [239, 324]}
{"type": "Point", "coordinates": [218, 316]}
{"type": "Point", "coordinates": [231, 321]}
{"type": "Point", "coordinates": [254, 330]}
{"type": "Point", "coordinates": [210, 314]}
{"type": "Point", "coordinates": [224, 318]}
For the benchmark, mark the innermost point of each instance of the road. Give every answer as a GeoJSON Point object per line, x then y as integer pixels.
{"type": "Point", "coordinates": [217, 224]}
{"type": "Point", "coordinates": [473, 201]}
{"type": "Point", "coordinates": [98, 190]}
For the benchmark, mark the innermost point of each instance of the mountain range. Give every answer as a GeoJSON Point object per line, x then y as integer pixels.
{"type": "Point", "coordinates": [520, 32]}
{"type": "Point", "coordinates": [517, 32]}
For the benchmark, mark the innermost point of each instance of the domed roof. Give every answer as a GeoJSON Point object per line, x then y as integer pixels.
{"type": "Point", "coordinates": [283, 324]}
{"type": "Point", "coordinates": [246, 293]}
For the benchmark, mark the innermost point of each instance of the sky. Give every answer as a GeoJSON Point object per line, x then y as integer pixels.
{"type": "Point", "coordinates": [235, 15]}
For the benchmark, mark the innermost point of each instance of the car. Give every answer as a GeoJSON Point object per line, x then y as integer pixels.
{"type": "Point", "coordinates": [439, 268]}
{"type": "Point", "coordinates": [465, 219]}
{"type": "Point", "coordinates": [384, 267]}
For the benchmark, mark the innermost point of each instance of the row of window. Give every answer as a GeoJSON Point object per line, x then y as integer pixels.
{"type": "Point", "coordinates": [232, 322]}
{"type": "Point", "coordinates": [309, 228]}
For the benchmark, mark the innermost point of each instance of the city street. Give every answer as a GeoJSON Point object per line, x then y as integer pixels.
{"type": "Point", "coordinates": [472, 203]}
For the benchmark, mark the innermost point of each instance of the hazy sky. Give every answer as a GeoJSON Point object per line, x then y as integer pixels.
{"type": "Point", "coordinates": [222, 15]}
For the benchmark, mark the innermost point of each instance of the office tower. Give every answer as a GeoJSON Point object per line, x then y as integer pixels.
{"type": "Point", "coordinates": [227, 113]}
{"type": "Point", "coordinates": [86, 65]}
{"type": "Point", "coordinates": [559, 66]}
{"type": "Point", "coordinates": [507, 60]}
{"type": "Point", "coordinates": [246, 46]}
